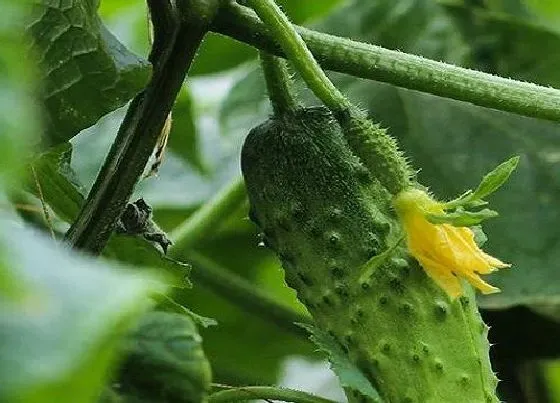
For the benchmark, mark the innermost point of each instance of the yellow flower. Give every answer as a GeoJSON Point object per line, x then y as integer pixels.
{"type": "Point", "coordinates": [446, 252]}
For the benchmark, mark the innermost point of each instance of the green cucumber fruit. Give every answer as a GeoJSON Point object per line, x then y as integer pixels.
{"type": "Point", "coordinates": [326, 216]}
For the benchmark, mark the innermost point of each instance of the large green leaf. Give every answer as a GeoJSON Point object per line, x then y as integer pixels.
{"type": "Point", "coordinates": [541, 12]}
{"type": "Point", "coordinates": [414, 26]}
{"type": "Point", "coordinates": [455, 143]}
{"type": "Point", "coordinates": [58, 338]}
{"type": "Point", "coordinates": [51, 171]}
{"type": "Point", "coordinates": [509, 46]}
{"type": "Point", "coordinates": [545, 6]}
{"type": "Point", "coordinates": [86, 71]}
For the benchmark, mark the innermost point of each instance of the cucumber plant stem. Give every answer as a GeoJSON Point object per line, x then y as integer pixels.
{"type": "Point", "coordinates": [401, 69]}
{"type": "Point", "coordinates": [178, 33]}
{"type": "Point", "coordinates": [279, 83]}
{"type": "Point", "coordinates": [208, 217]}
{"type": "Point", "coordinates": [298, 53]}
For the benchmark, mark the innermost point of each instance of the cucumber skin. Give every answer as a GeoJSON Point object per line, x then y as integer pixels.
{"type": "Point", "coordinates": [325, 215]}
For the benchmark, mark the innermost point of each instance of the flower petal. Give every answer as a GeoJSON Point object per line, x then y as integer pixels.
{"type": "Point", "coordinates": [483, 286]}
{"type": "Point", "coordinates": [468, 254]}
{"type": "Point", "coordinates": [446, 252]}
{"type": "Point", "coordinates": [497, 263]}
{"type": "Point", "coordinates": [442, 276]}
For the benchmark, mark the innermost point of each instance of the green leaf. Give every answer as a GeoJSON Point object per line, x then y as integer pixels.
{"type": "Point", "coordinates": [52, 172]}
{"type": "Point", "coordinates": [348, 374]}
{"type": "Point", "coordinates": [462, 218]}
{"type": "Point", "coordinates": [493, 180]}
{"type": "Point", "coordinates": [454, 144]}
{"type": "Point", "coordinates": [545, 6]}
{"type": "Point", "coordinates": [168, 304]}
{"type": "Point", "coordinates": [219, 53]}
{"type": "Point", "coordinates": [164, 361]}
{"type": "Point", "coordinates": [86, 71]}
{"type": "Point", "coordinates": [140, 253]}
{"type": "Point", "coordinates": [414, 26]}
{"type": "Point", "coordinates": [510, 46]}
{"type": "Point", "coordinates": [300, 12]}
{"type": "Point", "coordinates": [547, 12]}
{"type": "Point", "coordinates": [184, 135]}
{"type": "Point", "coordinates": [59, 341]}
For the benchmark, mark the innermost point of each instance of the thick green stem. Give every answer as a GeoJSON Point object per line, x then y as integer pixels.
{"type": "Point", "coordinates": [178, 33]}
{"type": "Point", "coordinates": [265, 392]}
{"type": "Point", "coordinates": [279, 83]}
{"type": "Point", "coordinates": [208, 217]}
{"type": "Point", "coordinates": [401, 69]}
{"type": "Point", "coordinates": [296, 50]}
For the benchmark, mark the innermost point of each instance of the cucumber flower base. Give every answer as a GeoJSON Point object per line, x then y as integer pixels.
{"type": "Point", "coordinates": [446, 252]}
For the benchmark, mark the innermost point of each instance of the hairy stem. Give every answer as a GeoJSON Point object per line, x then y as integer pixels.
{"type": "Point", "coordinates": [178, 31]}
{"type": "Point", "coordinates": [278, 83]}
{"type": "Point", "coordinates": [208, 217]}
{"type": "Point", "coordinates": [297, 52]}
{"type": "Point", "coordinates": [401, 69]}
{"type": "Point", "coordinates": [264, 393]}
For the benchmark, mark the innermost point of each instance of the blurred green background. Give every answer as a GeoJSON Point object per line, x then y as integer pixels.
{"type": "Point", "coordinates": [452, 143]}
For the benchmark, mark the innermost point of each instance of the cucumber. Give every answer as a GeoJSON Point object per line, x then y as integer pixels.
{"type": "Point", "coordinates": [326, 216]}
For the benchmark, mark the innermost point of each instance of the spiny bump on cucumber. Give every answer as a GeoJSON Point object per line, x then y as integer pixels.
{"type": "Point", "coordinates": [441, 310]}
{"type": "Point", "coordinates": [299, 165]}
